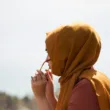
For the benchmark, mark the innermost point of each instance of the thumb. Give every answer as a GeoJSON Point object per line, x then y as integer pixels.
{"type": "Point", "coordinates": [48, 76]}
{"type": "Point", "coordinates": [50, 73]}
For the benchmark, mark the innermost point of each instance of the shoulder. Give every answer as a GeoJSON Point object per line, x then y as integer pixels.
{"type": "Point", "coordinates": [83, 97]}
{"type": "Point", "coordinates": [83, 85]}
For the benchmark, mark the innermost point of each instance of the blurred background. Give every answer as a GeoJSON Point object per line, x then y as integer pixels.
{"type": "Point", "coordinates": [23, 27]}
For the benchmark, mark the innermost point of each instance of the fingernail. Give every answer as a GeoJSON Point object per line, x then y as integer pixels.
{"type": "Point", "coordinates": [31, 78]}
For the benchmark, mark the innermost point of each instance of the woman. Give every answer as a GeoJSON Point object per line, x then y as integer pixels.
{"type": "Point", "coordinates": [73, 50]}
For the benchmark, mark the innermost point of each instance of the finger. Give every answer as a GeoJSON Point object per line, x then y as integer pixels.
{"type": "Point", "coordinates": [50, 74]}
{"type": "Point", "coordinates": [48, 77]}
{"type": "Point", "coordinates": [43, 77]}
{"type": "Point", "coordinates": [39, 77]}
{"type": "Point", "coordinates": [40, 72]}
{"type": "Point", "coordinates": [36, 73]}
{"type": "Point", "coordinates": [34, 78]}
{"type": "Point", "coordinates": [31, 78]}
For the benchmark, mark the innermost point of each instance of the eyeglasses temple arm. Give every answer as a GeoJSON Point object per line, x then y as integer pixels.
{"type": "Point", "coordinates": [42, 66]}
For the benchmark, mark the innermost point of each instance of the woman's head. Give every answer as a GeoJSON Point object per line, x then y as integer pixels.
{"type": "Point", "coordinates": [72, 48]}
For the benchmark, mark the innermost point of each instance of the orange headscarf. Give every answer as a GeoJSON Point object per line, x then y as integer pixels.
{"type": "Point", "coordinates": [74, 49]}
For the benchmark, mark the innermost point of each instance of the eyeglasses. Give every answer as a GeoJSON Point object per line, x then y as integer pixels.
{"type": "Point", "coordinates": [46, 61]}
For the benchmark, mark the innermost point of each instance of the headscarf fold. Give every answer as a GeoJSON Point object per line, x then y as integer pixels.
{"type": "Point", "coordinates": [74, 49]}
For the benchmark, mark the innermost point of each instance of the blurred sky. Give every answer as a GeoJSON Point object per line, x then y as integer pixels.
{"type": "Point", "coordinates": [23, 24]}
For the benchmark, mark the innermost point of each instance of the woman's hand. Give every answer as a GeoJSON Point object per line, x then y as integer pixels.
{"type": "Point", "coordinates": [49, 85]}
{"type": "Point", "coordinates": [43, 89]}
{"type": "Point", "coordinates": [50, 90]}
{"type": "Point", "coordinates": [38, 84]}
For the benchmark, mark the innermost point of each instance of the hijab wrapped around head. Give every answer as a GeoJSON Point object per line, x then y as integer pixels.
{"type": "Point", "coordinates": [74, 49]}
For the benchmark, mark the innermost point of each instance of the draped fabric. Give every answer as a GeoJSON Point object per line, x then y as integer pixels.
{"type": "Point", "coordinates": [74, 49]}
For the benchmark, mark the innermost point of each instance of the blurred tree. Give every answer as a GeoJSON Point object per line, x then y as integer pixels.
{"type": "Point", "coordinates": [8, 102]}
